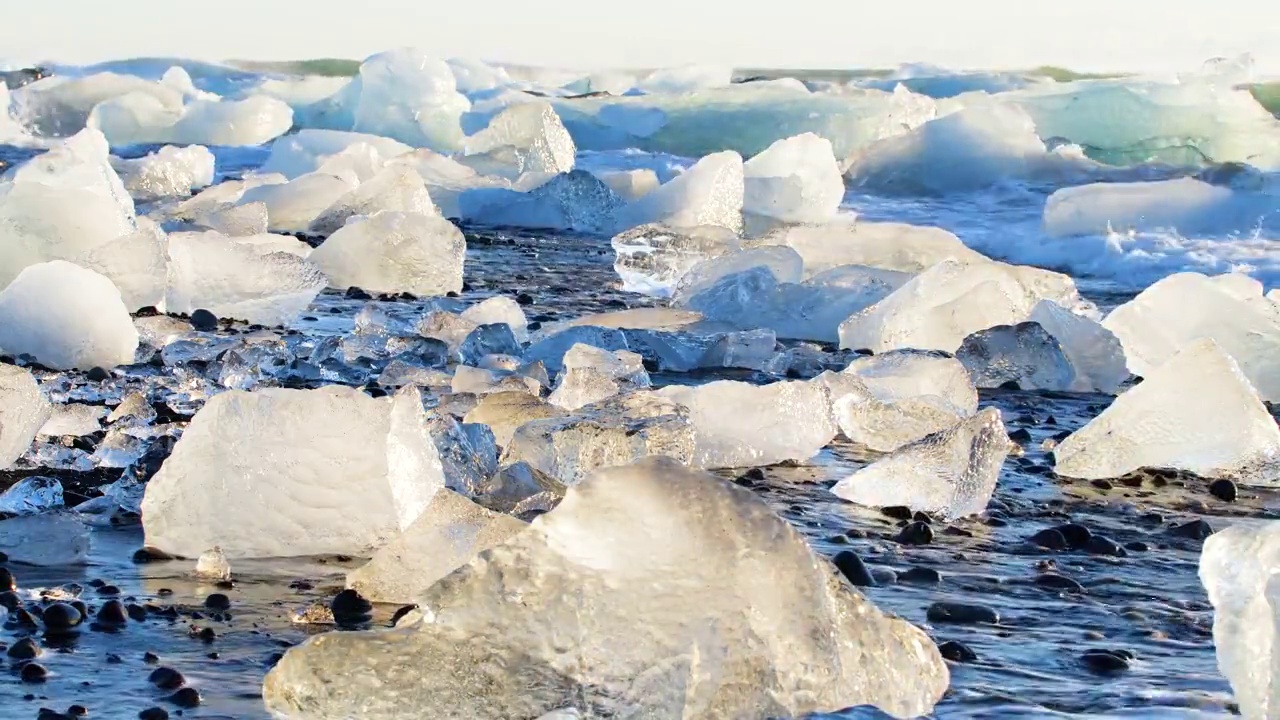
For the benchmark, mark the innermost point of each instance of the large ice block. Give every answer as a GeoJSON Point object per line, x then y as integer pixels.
{"type": "Point", "coordinates": [782, 262]}
{"type": "Point", "coordinates": [709, 193]}
{"type": "Point", "coordinates": [591, 375]}
{"type": "Point", "coordinates": [576, 200]}
{"type": "Point", "coordinates": [1094, 352]}
{"type": "Point", "coordinates": [169, 172]}
{"type": "Point", "coordinates": [527, 137]}
{"type": "Point", "coordinates": [795, 180]}
{"type": "Point", "coordinates": [135, 262]}
{"type": "Point", "coordinates": [66, 317]}
{"type": "Point", "coordinates": [1186, 204]}
{"type": "Point", "coordinates": [293, 206]}
{"type": "Point", "coordinates": [398, 188]}
{"type": "Point", "coordinates": [395, 252]}
{"type": "Point", "coordinates": [23, 411]}
{"type": "Point", "coordinates": [407, 95]}
{"type": "Point", "coordinates": [307, 150]}
{"type": "Point", "coordinates": [505, 412]}
{"type": "Point", "coordinates": [882, 245]}
{"type": "Point", "coordinates": [1024, 354]}
{"type": "Point", "coordinates": [652, 259]}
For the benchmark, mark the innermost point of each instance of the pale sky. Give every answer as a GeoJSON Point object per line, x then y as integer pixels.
{"type": "Point", "coordinates": [1129, 35]}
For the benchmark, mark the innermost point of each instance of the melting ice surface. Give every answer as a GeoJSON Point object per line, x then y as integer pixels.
{"type": "Point", "coordinates": [1115, 183]}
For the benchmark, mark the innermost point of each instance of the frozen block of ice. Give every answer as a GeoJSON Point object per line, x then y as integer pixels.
{"type": "Point", "coordinates": [468, 453]}
{"type": "Point", "coordinates": [618, 431]}
{"type": "Point", "coordinates": [573, 201]}
{"type": "Point", "coordinates": [66, 317]}
{"type": "Point", "coordinates": [709, 193]}
{"type": "Point", "coordinates": [652, 259]}
{"type": "Point", "coordinates": [1023, 354]}
{"type": "Point", "coordinates": [168, 172]}
{"type": "Point", "coordinates": [527, 137]}
{"type": "Point", "coordinates": [519, 485]}
{"type": "Point", "coordinates": [782, 262]}
{"type": "Point", "coordinates": [630, 185]}
{"type": "Point", "coordinates": [305, 151]}
{"type": "Point", "coordinates": [1220, 428]}
{"type": "Point", "coordinates": [795, 180]}
{"type": "Point", "coordinates": [882, 245]}
{"type": "Point", "coordinates": [398, 189]}
{"type": "Point", "coordinates": [23, 411]}
{"type": "Point", "coordinates": [293, 206]}
{"type": "Point", "coordinates": [237, 220]}
{"type": "Point", "coordinates": [1189, 205]}
{"type": "Point", "coordinates": [47, 539]}
{"type": "Point", "coordinates": [500, 309]}
{"type": "Point", "coordinates": [32, 496]}
{"type": "Point", "coordinates": [409, 96]}
{"type": "Point", "coordinates": [491, 339]}
{"type": "Point", "coordinates": [212, 564]}
{"type": "Point", "coordinates": [1093, 351]}
{"type": "Point", "coordinates": [551, 615]}
{"type": "Point", "coordinates": [395, 252]}
{"type": "Point", "coordinates": [315, 472]}
{"type": "Point", "coordinates": [951, 473]}
{"type": "Point", "coordinates": [551, 350]}
{"type": "Point", "coordinates": [591, 375]}
{"type": "Point", "coordinates": [230, 279]}
{"type": "Point", "coordinates": [449, 534]}
{"type": "Point", "coordinates": [504, 412]}
{"type": "Point", "coordinates": [135, 262]}
{"type": "Point", "coordinates": [73, 420]}
{"type": "Point", "coordinates": [482, 381]}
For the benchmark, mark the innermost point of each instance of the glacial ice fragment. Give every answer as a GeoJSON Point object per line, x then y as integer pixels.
{"type": "Point", "coordinates": [395, 252]}
{"type": "Point", "coordinates": [881, 245]}
{"type": "Point", "coordinates": [212, 565]}
{"type": "Point", "coordinates": [527, 137]}
{"type": "Point", "coordinates": [23, 411]}
{"type": "Point", "coordinates": [398, 189]}
{"type": "Point", "coordinates": [652, 259]}
{"type": "Point", "coordinates": [575, 200]}
{"type": "Point", "coordinates": [135, 262]}
{"type": "Point", "coordinates": [795, 180]}
{"type": "Point", "coordinates": [409, 96]}
{"type": "Point", "coordinates": [1186, 204]}
{"type": "Point", "coordinates": [73, 420]}
{"type": "Point", "coordinates": [169, 172]}
{"type": "Point", "coordinates": [591, 375]}
{"type": "Point", "coordinates": [505, 412]}
{"type": "Point", "coordinates": [293, 206]}
{"type": "Point", "coordinates": [551, 349]}
{"type": "Point", "coordinates": [1023, 354]}
{"type": "Point", "coordinates": [782, 262]}
{"type": "Point", "coordinates": [32, 496]}
{"type": "Point", "coordinates": [47, 539]}
{"type": "Point", "coordinates": [1094, 352]}
{"type": "Point", "coordinates": [709, 193]}
{"type": "Point", "coordinates": [500, 309]}
{"type": "Point", "coordinates": [307, 150]}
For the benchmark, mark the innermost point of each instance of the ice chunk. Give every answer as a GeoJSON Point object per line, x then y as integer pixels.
{"type": "Point", "coordinates": [709, 193]}
{"type": "Point", "coordinates": [589, 573]}
{"type": "Point", "coordinates": [66, 317]}
{"type": "Point", "coordinates": [74, 420]}
{"type": "Point", "coordinates": [782, 262]}
{"type": "Point", "coordinates": [795, 180]}
{"type": "Point", "coordinates": [168, 172]}
{"type": "Point", "coordinates": [448, 534]}
{"type": "Point", "coordinates": [23, 411]}
{"type": "Point", "coordinates": [504, 412]}
{"type": "Point", "coordinates": [738, 424]}
{"type": "Point", "coordinates": [482, 381]}
{"type": "Point", "coordinates": [315, 472]}
{"type": "Point", "coordinates": [134, 262]}
{"type": "Point", "coordinates": [576, 200]}
{"type": "Point", "coordinates": [1218, 428]}
{"type": "Point", "coordinates": [685, 79]}
{"type": "Point", "coordinates": [51, 538]}
{"type": "Point", "coordinates": [1238, 568]}
{"type": "Point", "coordinates": [630, 185]}
{"type": "Point", "coordinates": [143, 119]}
{"type": "Point", "coordinates": [1024, 354]}
{"type": "Point", "coordinates": [551, 349]}
{"type": "Point", "coordinates": [1190, 205]}
{"type": "Point", "coordinates": [591, 375]}
{"type": "Point", "coordinates": [901, 396]}
{"type": "Point", "coordinates": [212, 564]}
{"type": "Point", "coordinates": [32, 496]}
{"type": "Point", "coordinates": [1181, 308]}
{"type": "Point", "coordinates": [229, 279]}
{"type": "Point", "coordinates": [293, 206]}
{"type": "Point", "coordinates": [409, 96]}
{"type": "Point", "coordinates": [651, 259]}
{"type": "Point", "coordinates": [527, 137]}
{"type": "Point", "coordinates": [882, 245]}
{"type": "Point", "coordinates": [236, 221]}
{"type": "Point", "coordinates": [1093, 351]}
{"type": "Point", "coordinates": [398, 188]}
{"type": "Point", "coordinates": [307, 150]}
{"type": "Point", "coordinates": [395, 252]}
{"type": "Point", "coordinates": [492, 339]}
{"type": "Point", "coordinates": [617, 431]}
{"type": "Point", "coordinates": [520, 487]}
{"type": "Point", "coordinates": [500, 309]}
{"type": "Point", "coordinates": [951, 473]}
{"type": "Point", "coordinates": [468, 453]}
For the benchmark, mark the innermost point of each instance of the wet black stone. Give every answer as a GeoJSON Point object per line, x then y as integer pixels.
{"type": "Point", "coordinates": [1224, 490]}
{"type": "Point", "coordinates": [154, 713]}
{"type": "Point", "coordinates": [78, 711]}
{"type": "Point", "coordinates": [10, 601]}
{"type": "Point", "coordinates": [1021, 435]}
{"type": "Point", "coordinates": [1104, 661]}
{"type": "Point", "coordinates": [920, 576]}
{"type": "Point", "coordinates": [957, 652]}
{"type": "Point", "coordinates": [401, 612]}
{"type": "Point", "coordinates": [79, 605]}
{"type": "Point", "coordinates": [204, 321]}
{"type": "Point", "coordinates": [524, 299]}
{"type": "Point", "coordinates": [61, 617]}
{"type": "Point", "coordinates": [146, 555]}
{"type": "Point", "coordinates": [962, 613]}
{"type": "Point", "coordinates": [166, 678]}
{"type": "Point", "coordinates": [922, 517]}
{"type": "Point", "coordinates": [1076, 535]}
{"type": "Point", "coordinates": [22, 618]}
{"type": "Point", "coordinates": [852, 567]}
{"type": "Point", "coordinates": [97, 374]}
{"type": "Point", "coordinates": [185, 698]}
{"type": "Point", "coordinates": [755, 474]}
{"type": "Point", "coordinates": [108, 590]}
{"type": "Point", "coordinates": [1054, 581]}
{"type": "Point", "coordinates": [112, 613]}
{"type": "Point", "coordinates": [33, 673]}
{"type": "Point", "coordinates": [217, 601]}
{"type": "Point", "coordinates": [24, 649]}
{"type": "Point", "coordinates": [349, 607]}
{"type": "Point", "coordinates": [897, 512]}
{"type": "Point", "coordinates": [1099, 545]}
{"type": "Point", "coordinates": [1195, 530]}
{"type": "Point", "coordinates": [51, 714]}
{"type": "Point", "coordinates": [916, 533]}
{"type": "Point", "coordinates": [7, 581]}
{"type": "Point", "coordinates": [113, 659]}
{"type": "Point", "coordinates": [150, 658]}
{"type": "Point", "coordinates": [355, 293]}
{"type": "Point", "coordinates": [1102, 484]}
{"type": "Point", "coordinates": [1137, 546]}
{"type": "Point", "coordinates": [1050, 539]}
{"type": "Point", "coordinates": [137, 613]}
{"type": "Point", "coordinates": [97, 583]}
{"type": "Point", "coordinates": [207, 634]}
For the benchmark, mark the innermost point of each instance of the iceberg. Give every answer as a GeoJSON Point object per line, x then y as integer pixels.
{"type": "Point", "coordinates": [141, 118]}
{"type": "Point", "coordinates": [394, 252]}
{"type": "Point", "coordinates": [1186, 204]}
{"type": "Point", "coordinates": [307, 150]}
{"type": "Point", "coordinates": [795, 180]}
{"type": "Point", "coordinates": [66, 317]}
{"type": "Point", "coordinates": [409, 96]}
{"type": "Point", "coordinates": [23, 411]}
{"type": "Point", "coordinates": [882, 245]}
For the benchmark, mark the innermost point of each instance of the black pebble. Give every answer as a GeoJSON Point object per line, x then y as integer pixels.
{"type": "Point", "coordinates": [755, 474]}
{"type": "Point", "coordinates": [1050, 539]}
{"type": "Point", "coordinates": [112, 613]}
{"type": "Point", "coordinates": [917, 533]}
{"type": "Point", "coordinates": [1076, 535]}
{"type": "Point", "coordinates": [146, 555]}
{"type": "Point", "coordinates": [7, 582]}
{"type": "Point", "coordinates": [957, 652]}
{"type": "Point", "coordinates": [1099, 545]}
{"type": "Point", "coordinates": [897, 512]}
{"type": "Point", "coordinates": [10, 601]}
{"type": "Point", "coordinates": [166, 678]}
{"type": "Point", "coordinates": [154, 713]}
{"type": "Point", "coordinates": [50, 714]}
{"type": "Point", "coordinates": [1105, 661]}
{"type": "Point", "coordinates": [78, 711]}
{"type": "Point", "coordinates": [217, 601]}
{"type": "Point", "coordinates": [137, 613]}
{"type": "Point", "coordinates": [349, 607]}
{"type": "Point", "coordinates": [113, 659]}
{"type": "Point", "coordinates": [34, 673]}
{"type": "Point", "coordinates": [207, 634]}
{"type": "Point", "coordinates": [1195, 530]}
{"type": "Point", "coordinates": [401, 612]}
{"type": "Point", "coordinates": [22, 618]}
{"type": "Point", "coordinates": [98, 374]}
{"type": "Point", "coordinates": [109, 590]}
{"type": "Point", "coordinates": [854, 569]}
{"type": "Point", "coordinates": [1021, 435]}
{"type": "Point", "coordinates": [204, 321]}
{"type": "Point", "coordinates": [920, 576]}
{"type": "Point", "coordinates": [1059, 582]}
{"type": "Point", "coordinates": [1137, 546]}
{"type": "Point", "coordinates": [185, 698]}
{"type": "Point", "coordinates": [962, 613]}
{"type": "Point", "coordinates": [524, 299]}
{"type": "Point", "coordinates": [24, 649]}
{"type": "Point", "coordinates": [60, 617]}
{"type": "Point", "coordinates": [150, 658]}
{"type": "Point", "coordinates": [1224, 490]}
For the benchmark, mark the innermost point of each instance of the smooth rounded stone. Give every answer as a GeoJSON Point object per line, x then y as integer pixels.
{"type": "Point", "coordinates": [1224, 490]}
{"type": "Point", "coordinates": [962, 614]}
{"type": "Point", "coordinates": [136, 613]}
{"type": "Point", "coordinates": [1104, 662]}
{"type": "Point", "coordinates": [204, 321]}
{"type": "Point", "coordinates": [61, 617]}
{"type": "Point", "coordinates": [1076, 535]}
{"type": "Point", "coordinates": [709, 193]}
{"type": "Point", "coordinates": [23, 411]}
{"type": "Point", "coordinates": [33, 673]}
{"type": "Point", "coordinates": [186, 698]}
{"type": "Point", "coordinates": [956, 651]}
{"type": "Point", "coordinates": [920, 576]}
{"type": "Point", "coordinates": [1050, 539]}
{"type": "Point", "coordinates": [952, 473]}
{"type": "Point", "coordinates": [153, 713]}
{"type": "Point", "coordinates": [349, 606]}
{"type": "Point", "coordinates": [450, 532]}
{"type": "Point", "coordinates": [217, 601]}
{"type": "Point", "coordinates": [7, 581]}
{"type": "Point", "coordinates": [1053, 581]}
{"type": "Point", "coordinates": [654, 259]}
{"type": "Point", "coordinates": [591, 564]}
{"type": "Point", "coordinates": [24, 649]}
{"type": "Point", "coordinates": [916, 533]}
{"type": "Point", "coordinates": [111, 614]}
{"type": "Point", "coordinates": [393, 252]}
{"type": "Point", "coordinates": [1099, 545]}
{"type": "Point", "coordinates": [1194, 530]}
{"type": "Point", "coordinates": [78, 711]}
{"type": "Point", "coordinates": [1023, 354]}
{"type": "Point", "coordinates": [1222, 429]}
{"type": "Point", "coordinates": [67, 317]}
{"type": "Point", "coordinates": [848, 563]}
{"type": "Point", "coordinates": [339, 473]}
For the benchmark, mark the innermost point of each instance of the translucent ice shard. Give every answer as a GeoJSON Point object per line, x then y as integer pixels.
{"type": "Point", "coordinates": [500, 309]}
{"type": "Point", "coordinates": [66, 317]}
{"type": "Point", "coordinates": [395, 252]}
{"type": "Point", "coordinates": [135, 262]}
{"type": "Point", "coordinates": [32, 496]}
{"type": "Point", "coordinates": [293, 206]}
{"type": "Point", "coordinates": [709, 193]}
{"type": "Point", "coordinates": [169, 172]}
{"type": "Point", "coordinates": [738, 424]}
{"type": "Point", "coordinates": [617, 431]}
{"type": "Point", "coordinates": [527, 137]}
{"type": "Point", "coordinates": [630, 185]}
{"type": "Point", "coordinates": [575, 200]}
{"type": "Point", "coordinates": [210, 271]}
{"type": "Point", "coordinates": [73, 420]}
{"type": "Point", "coordinates": [23, 411]}
{"type": "Point", "coordinates": [407, 95]}
{"type": "Point", "coordinates": [398, 188]}
{"type": "Point", "coordinates": [236, 220]}
{"type": "Point", "coordinates": [315, 471]}
{"type": "Point", "coordinates": [1023, 354]}
{"type": "Point", "coordinates": [882, 245]}
{"type": "Point", "coordinates": [52, 538]}
{"type": "Point", "coordinates": [505, 412]}
{"type": "Point", "coordinates": [448, 534]}
{"type": "Point", "coordinates": [1094, 352]}
{"type": "Point", "coordinates": [1238, 568]}
{"type": "Point", "coordinates": [517, 487]}
{"type": "Point", "coordinates": [591, 374]}
{"type": "Point", "coordinates": [212, 564]}
{"type": "Point", "coordinates": [551, 349]}
{"type": "Point", "coordinates": [651, 259]}
{"type": "Point", "coordinates": [1187, 204]}
{"type": "Point", "coordinates": [546, 612]}
{"type": "Point", "coordinates": [795, 180]}
{"type": "Point", "coordinates": [951, 473]}
{"type": "Point", "coordinates": [1184, 307]}
{"type": "Point", "coordinates": [1220, 429]}
{"type": "Point", "coordinates": [307, 150]}
{"type": "Point", "coordinates": [782, 262]}
{"type": "Point", "coordinates": [142, 119]}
